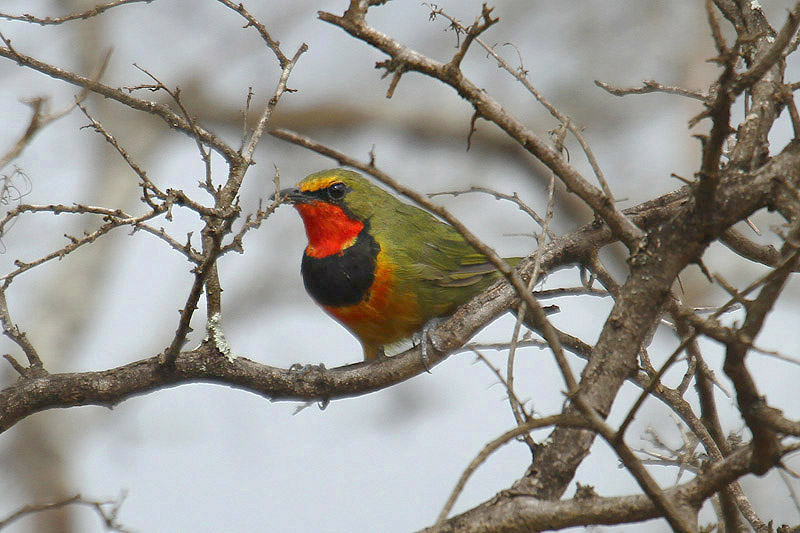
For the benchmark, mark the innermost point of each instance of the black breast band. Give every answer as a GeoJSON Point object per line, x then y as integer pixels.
{"type": "Point", "coordinates": [344, 278]}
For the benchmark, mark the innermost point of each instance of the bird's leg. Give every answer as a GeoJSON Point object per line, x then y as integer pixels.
{"type": "Point", "coordinates": [380, 354]}
{"type": "Point", "coordinates": [422, 338]}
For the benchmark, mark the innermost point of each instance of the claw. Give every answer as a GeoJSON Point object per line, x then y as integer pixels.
{"type": "Point", "coordinates": [322, 404]}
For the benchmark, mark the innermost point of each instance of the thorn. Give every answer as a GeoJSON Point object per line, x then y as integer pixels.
{"type": "Point", "coordinates": [752, 226]}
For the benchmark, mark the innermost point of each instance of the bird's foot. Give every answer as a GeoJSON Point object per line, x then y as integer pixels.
{"type": "Point", "coordinates": [302, 370]}
{"type": "Point", "coordinates": [423, 337]}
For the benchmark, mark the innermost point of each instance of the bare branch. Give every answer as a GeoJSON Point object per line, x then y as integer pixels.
{"type": "Point", "coordinates": [83, 15]}
{"type": "Point", "coordinates": [654, 382]}
{"type": "Point", "coordinates": [651, 86]}
{"type": "Point", "coordinates": [500, 196]}
{"type": "Point", "coordinates": [204, 363]}
{"type": "Point", "coordinates": [201, 274]}
{"type": "Point", "coordinates": [107, 516]}
{"type": "Point", "coordinates": [262, 30]}
{"type": "Point", "coordinates": [354, 22]}
{"type": "Point", "coordinates": [475, 349]}
{"type": "Point", "coordinates": [255, 220]}
{"type": "Point", "coordinates": [489, 449]}
{"type": "Point", "coordinates": [111, 222]}
{"type": "Point", "coordinates": [162, 111]}
{"type": "Point", "coordinates": [525, 511]}
{"type": "Point", "coordinates": [40, 118]}
{"type": "Point", "coordinates": [13, 332]}
{"type": "Point", "coordinates": [226, 198]}
{"type": "Point", "coordinates": [764, 437]}
{"type": "Point", "coordinates": [521, 75]}
{"type": "Point", "coordinates": [766, 254]}
{"type": "Point", "coordinates": [772, 55]}
{"type": "Point", "coordinates": [516, 408]}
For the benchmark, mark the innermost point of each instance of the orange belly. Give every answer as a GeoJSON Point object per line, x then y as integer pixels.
{"type": "Point", "coordinates": [385, 317]}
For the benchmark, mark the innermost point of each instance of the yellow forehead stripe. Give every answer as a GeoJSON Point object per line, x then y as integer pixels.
{"type": "Point", "coordinates": [315, 184]}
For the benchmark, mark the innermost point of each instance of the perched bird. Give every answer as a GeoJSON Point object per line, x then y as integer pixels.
{"type": "Point", "coordinates": [381, 267]}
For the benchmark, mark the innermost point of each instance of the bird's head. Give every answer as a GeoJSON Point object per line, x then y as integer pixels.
{"type": "Point", "coordinates": [336, 205]}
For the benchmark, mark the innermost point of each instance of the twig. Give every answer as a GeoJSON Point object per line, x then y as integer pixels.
{"type": "Point", "coordinates": [499, 375]}
{"type": "Point", "coordinates": [570, 291]}
{"type": "Point", "coordinates": [521, 75]}
{"type": "Point", "coordinates": [262, 30]}
{"type": "Point", "coordinates": [744, 247]}
{"type": "Point", "coordinates": [772, 55]}
{"type": "Point", "coordinates": [500, 196]}
{"type": "Point", "coordinates": [40, 118]}
{"type": "Point", "coordinates": [227, 197]}
{"type": "Point", "coordinates": [89, 13]}
{"type": "Point", "coordinates": [19, 337]}
{"type": "Point", "coordinates": [490, 448]}
{"type": "Point", "coordinates": [501, 346]}
{"type": "Point", "coordinates": [765, 439]}
{"type": "Point", "coordinates": [254, 221]}
{"type": "Point", "coordinates": [654, 381]}
{"type": "Point", "coordinates": [108, 517]}
{"type": "Point", "coordinates": [111, 222]}
{"type": "Point", "coordinates": [245, 116]}
{"type": "Point", "coordinates": [191, 120]}
{"type": "Point", "coordinates": [782, 470]}
{"type": "Point", "coordinates": [162, 111]}
{"type": "Point", "coordinates": [354, 22]}
{"type": "Point", "coordinates": [674, 511]}
{"type": "Point", "coordinates": [651, 86]}
{"type": "Point", "coordinates": [716, 30]}
{"type": "Point", "coordinates": [516, 408]}
{"type": "Point", "coordinates": [201, 274]}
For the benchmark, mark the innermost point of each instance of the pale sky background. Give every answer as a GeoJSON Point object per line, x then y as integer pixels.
{"type": "Point", "coordinates": [207, 458]}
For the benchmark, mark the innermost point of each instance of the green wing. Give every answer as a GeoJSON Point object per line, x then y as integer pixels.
{"type": "Point", "coordinates": [435, 261]}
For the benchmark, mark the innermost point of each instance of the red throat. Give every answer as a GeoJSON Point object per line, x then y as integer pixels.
{"type": "Point", "coordinates": [328, 228]}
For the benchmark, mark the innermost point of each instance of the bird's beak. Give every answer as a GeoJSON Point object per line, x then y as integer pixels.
{"type": "Point", "coordinates": [291, 195]}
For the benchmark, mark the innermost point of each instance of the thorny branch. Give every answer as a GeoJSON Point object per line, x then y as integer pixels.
{"type": "Point", "coordinates": [225, 197]}
{"type": "Point", "coordinates": [359, 379]}
{"type": "Point", "coordinates": [40, 116]}
{"type": "Point", "coordinates": [83, 15]}
{"type": "Point", "coordinates": [172, 119]}
{"type": "Point", "coordinates": [110, 222]}
{"type": "Point", "coordinates": [107, 511]}
{"type": "Point", "coordinates": [663, 236]}
{"type": "Point", "coordinates": [501, 196]}
{"type": "Point", "coordinates": [646, 277]}
{"type": "Point", "coordinates": [518, 409]}
{"type": "Point", "coordinates": [404, 59]}
{"type": "Point", "coordinates": [522, 76]}
{"type": "Point", "coordinates": [218, 219]}
{"type": "Point", "coordinates": [651, 86]}
{"type": "Point", "coordinates": [750, 402]}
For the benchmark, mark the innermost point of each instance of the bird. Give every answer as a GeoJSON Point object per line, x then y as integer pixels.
{"type": "Point", "coordinates": [381, 267]}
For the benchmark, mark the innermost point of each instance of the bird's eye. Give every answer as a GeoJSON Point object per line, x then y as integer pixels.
{"type": "Point", "coordinates": [337, 190]}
